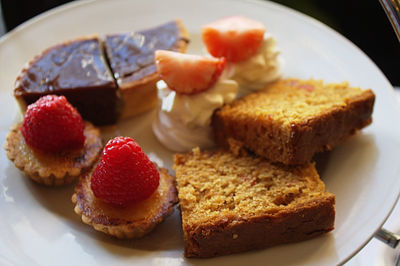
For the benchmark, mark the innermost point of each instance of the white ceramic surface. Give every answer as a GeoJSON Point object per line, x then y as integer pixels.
{"type": "Point", "coordinates": [376, 252]}
{"type": "Point", "coordinates": [38, 225]}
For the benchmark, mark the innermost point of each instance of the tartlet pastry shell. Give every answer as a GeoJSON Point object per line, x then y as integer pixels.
{"type": "Point", "coordinates": [133, 221]}
{"type": "Point", "coordinates": [53, 169]}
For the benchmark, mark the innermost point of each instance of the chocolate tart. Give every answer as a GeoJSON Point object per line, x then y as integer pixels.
{"type": "Point", "coordinates": [94, 78]}
{"type": "Point", "coordinates": [131, 58]}
{"type": "Point", "coordinates": [76, 69]}
{"type": "Point", "coordinates": [53, 169]}
{"type": "Point", "coordinates": [133, 221]}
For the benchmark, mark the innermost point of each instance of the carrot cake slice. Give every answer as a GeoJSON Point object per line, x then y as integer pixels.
{"type": "Point", "coordinates": [233, 203]}
{"type": "Point", "coordinates": [291, 120]}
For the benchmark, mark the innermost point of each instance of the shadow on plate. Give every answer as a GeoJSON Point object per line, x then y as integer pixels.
{"type": "Point", "coordinates": [359, 150]}
{"type": "Point", "coordinates": [166, 237]}
{"type": "Point", "coordinates": [57, 202]}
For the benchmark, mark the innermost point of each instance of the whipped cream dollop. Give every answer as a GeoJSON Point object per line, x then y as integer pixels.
{"type": "Point", "coordinates": [184, 121]}
{"type": "Point", "coordinates": [260, 69]}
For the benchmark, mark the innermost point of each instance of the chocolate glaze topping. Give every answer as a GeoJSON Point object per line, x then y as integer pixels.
{"type": "Point", "coordinates": [77, 64]}
{"type": "Point", "coordinates": [78, 70]}
{"type": "Point", "coordinates": [131, 55]}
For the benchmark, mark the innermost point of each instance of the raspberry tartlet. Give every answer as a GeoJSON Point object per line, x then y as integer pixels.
{"type": "Point", "coordinates": [126, 195]}
{"type": "Point", "coordinates": [53, 145]}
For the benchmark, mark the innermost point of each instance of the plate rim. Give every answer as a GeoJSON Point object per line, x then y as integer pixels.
{"type": "Point", "coordinates": [77, 4]}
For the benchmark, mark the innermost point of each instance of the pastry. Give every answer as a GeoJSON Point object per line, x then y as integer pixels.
{"type": "Point", "coordinates": [102, 93]}
{"type": "Point", "coordinates": [233, 203]}
{"type": "Point", "coordinates": [42, 147]}
{"type": "Point", "coordinates": [125, 195]}
{"type": "Point", "coordinates": [191, 88]}
{"type": "Point", "coordinates": [76, 69]}
{"type": "Point", "coordinates": [291, 120]}
{"type": "Point", "coordinates": [131, 58]}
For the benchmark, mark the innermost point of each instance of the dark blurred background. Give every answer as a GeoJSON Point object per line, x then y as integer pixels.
{"type": "Point", "coordinates": [363, 22]}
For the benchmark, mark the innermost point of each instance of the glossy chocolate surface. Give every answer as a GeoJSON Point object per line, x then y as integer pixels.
{"type": "Point", "coordinates": [131, 55]}
{"type": "Point", "coordinates": [78, 70]}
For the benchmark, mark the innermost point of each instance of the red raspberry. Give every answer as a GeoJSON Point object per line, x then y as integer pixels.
{"type": "Point", "coordinates": [125, 174]}
{"type": "Point", "coordinates": [51, 124]}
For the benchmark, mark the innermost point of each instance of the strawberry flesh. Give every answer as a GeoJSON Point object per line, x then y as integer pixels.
{"type": "Point", "coordinates": [236, 38]}
{"type": "Point", "coordinates": [188, 74]}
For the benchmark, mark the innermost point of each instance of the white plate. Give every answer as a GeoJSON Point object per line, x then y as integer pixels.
{"type": "Point", "coordinates": [38, 225]}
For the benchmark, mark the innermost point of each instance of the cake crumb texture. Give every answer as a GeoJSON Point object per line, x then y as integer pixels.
{"type": "Point", "coordinates": [291, 120]}
{"type": "Point", "coordinates": [234, 203]}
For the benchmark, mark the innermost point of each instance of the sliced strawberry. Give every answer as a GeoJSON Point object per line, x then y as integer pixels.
{"type": "Point", "coordinates": [236, 38]}
{"type": "Point", "coordinates": [188, 74]}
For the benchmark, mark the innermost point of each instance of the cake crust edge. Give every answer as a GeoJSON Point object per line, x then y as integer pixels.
{"type": "Point", "coordinates": [232, 236]}
{"type": "Point", "coordinates": [298, 144]}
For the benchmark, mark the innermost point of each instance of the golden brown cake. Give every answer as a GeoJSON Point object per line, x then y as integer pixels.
{"type": "Point", "coordinates": [53, 169]}
{"type": "Point", "coordinates": [131, 58]}
{"type": "Point", "coordinates": [291, 120]}
{"type": "Point", "coordinates": [133, 221]}
{"type": "Point", "coordinates": [231, 203]}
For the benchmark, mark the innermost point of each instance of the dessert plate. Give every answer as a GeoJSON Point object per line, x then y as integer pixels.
{"type": "Point", "coordinates": [38, 225]}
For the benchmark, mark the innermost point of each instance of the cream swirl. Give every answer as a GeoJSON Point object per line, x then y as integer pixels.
{"type": "Point", "coordinates": [184, 121]}
{"type": "Point", "coordinates": [260, 69]}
